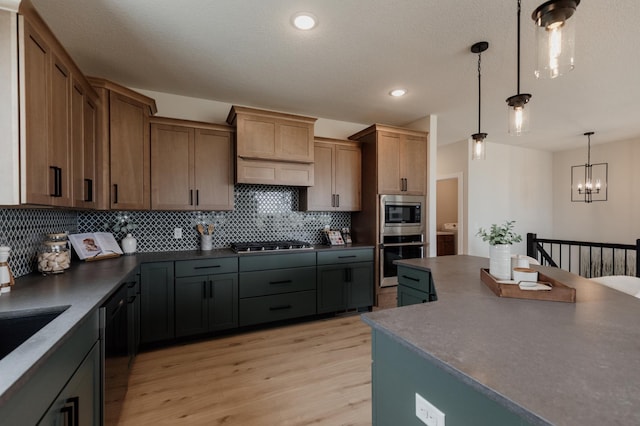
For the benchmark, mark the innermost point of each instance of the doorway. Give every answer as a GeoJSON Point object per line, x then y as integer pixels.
{"type": "Point", "coordinates": [448, 215]}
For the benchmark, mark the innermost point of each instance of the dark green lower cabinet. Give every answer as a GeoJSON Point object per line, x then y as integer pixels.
{"type": "Point", "coordinates": [157, 311]}
{"type": "Point", "coordinates": [415, 286]}
{"type": "Point", "coordinates": [344, 286]}
{"type": "Point", "coordinates": [79, 401]}
{"type": "Point", "coordinates": [399, 373]}
{"type": "Point", "coordinates": [206, 303]}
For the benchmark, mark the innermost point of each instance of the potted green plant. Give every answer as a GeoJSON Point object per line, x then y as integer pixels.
{"type": "Point", "coordinates": [500, 239]}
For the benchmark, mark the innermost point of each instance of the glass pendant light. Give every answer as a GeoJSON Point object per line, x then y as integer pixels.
{"type": "Point", "coordinates": [518, 115]}
{"type": "Point", "coordinates": [478, 152]}
{"type": "Point", "coordinates": [555, 37]}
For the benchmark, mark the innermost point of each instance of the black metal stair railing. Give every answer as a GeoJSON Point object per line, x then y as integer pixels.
{"type": "Point", "coordinates": [588, 259]}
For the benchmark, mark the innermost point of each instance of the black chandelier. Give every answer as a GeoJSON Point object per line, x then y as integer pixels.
{"type": "Point", "coordinates": [594, 177]}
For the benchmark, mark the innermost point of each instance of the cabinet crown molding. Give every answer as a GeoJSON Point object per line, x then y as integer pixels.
{"type": "Point", "coordinates": [115, 87]}
{"type": "Point", "coordinates": [235, 109]}
{"type": "Point", "coordinates": [386, 128]}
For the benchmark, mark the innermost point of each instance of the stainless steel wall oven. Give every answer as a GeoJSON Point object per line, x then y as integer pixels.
{"type": "Point", "coordinates": [402, 229]}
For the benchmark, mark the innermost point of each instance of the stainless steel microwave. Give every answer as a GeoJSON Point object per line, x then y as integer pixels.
{"type": "Point", "coordinates": [402, 214]}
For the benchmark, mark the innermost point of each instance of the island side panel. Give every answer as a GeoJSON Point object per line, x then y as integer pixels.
{"type": "Point", "coordinates": [399, 373]}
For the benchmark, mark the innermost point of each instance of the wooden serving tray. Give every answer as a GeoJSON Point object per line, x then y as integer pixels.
{"type": "Point", "coordinates": [559, 292]}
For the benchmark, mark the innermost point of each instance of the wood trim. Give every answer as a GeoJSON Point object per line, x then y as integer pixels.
{"type": "Point", "coordinates": [337, 141]}
{"type": "Point", "coordinates": [231, 118]}
{"type": "Point", "coordinates": [386, 128]}
{"type": "Point", "coordinates": [125, 91]}
{"type": "Point", "coordinates": [189, 123]}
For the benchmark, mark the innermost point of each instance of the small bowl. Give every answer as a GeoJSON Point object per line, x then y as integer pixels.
{"type": "Point", "coordinates": [525, 274]}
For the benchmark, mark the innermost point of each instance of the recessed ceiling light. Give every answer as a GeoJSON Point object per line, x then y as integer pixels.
{"type": "Point", "coordinates": [396, 93]}
{"type": "Point", "coordinates": [304, 20]}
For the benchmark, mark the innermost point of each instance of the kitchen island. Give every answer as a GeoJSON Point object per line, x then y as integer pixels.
{"type": "Point", "coordinates": [486, 360]}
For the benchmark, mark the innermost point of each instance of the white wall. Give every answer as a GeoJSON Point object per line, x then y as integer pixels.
{"type": "Point", "coordinates": [616, 220]}
{"type": "Point", "coordinates": [9, 110]}
{"type": "Point", "coordinates": [186, 108]}
{"type": "Point", "coordinates": [513, 183]}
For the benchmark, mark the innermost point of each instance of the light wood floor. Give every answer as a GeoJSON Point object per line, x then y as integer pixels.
{"type": "Point", "coordinates": [313, 373]}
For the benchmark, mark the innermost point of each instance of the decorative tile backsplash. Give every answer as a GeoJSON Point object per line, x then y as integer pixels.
{"type": "Point", "coordinates": [261, 213]}
{"type": "Point", "coordinates": [24, 229]}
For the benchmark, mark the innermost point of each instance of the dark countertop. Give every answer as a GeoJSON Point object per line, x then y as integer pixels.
{"type": "Point", "coordinates": [83, 288]}
{"type": "Point", "coordinates": [551, 362]}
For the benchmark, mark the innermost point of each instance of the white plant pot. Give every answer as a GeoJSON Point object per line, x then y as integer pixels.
{"type": "Point", "coordinates": [129, 244]}
{"type": "Point", "coordinates": [500, 261]}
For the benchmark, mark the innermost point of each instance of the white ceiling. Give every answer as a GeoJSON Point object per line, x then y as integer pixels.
{"type": "Point", "coordinates": [247, 53]}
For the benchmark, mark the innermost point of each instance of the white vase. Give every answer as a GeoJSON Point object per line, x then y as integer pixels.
{"type": "Point", "coordinates": [129, 244]}
{"type": "Point", "coordinates": [500, 261]}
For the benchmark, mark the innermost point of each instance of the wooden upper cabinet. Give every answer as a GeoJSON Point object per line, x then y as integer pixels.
{"type": "Point", "coordinates": [400, 156]}
{"type": "Point", "coordinates": [272, 147]}
{"type": "Point", "coordinates": [213, 169]}
{"type": "Point", "coordinates": [129, 150]}
{"type": "Point", "coordinates": [191, 165]}
{"type": "Point", "coordinates": [35, 69]}
{"type": "Point", "coordinates": [60, 142]}
{"type": "Point", "coordinates": [53, 92]}
{"type": "Point", "coordinates": [337, 184]}
{"type": "Point", "coordinates": [123, 148]}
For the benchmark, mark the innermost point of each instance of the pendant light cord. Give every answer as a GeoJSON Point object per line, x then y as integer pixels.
{"type": "Point", "coordinates": [479, 90]}
{"type": "Point", "coordinates": [589, 150]}
{"type": "Point", "coordinates": [519, 11]}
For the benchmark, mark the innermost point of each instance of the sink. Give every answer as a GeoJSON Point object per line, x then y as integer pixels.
{"type": "Point", "coordinates": [16, 327]}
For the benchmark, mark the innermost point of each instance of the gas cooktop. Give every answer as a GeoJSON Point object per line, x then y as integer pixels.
{"type": "Point", "coordinates": [270, 246]}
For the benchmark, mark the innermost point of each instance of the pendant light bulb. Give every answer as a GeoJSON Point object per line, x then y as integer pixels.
{"type": "Point", "coordinates": [478, 151]}
{"type": "Point", "coordinates": [555, 36]}
{"type": "Point", "coordinates": [518, 115]}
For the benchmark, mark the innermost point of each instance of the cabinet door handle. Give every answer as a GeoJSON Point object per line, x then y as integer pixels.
{"type": "Point", "coordinates": [337, 200]}
{"type": "Point", "coordinates": [71, 412]}
{"type": "Point", "coordinates": [280, 282]}
{"type": "Point", "coordinates": [411, 278]}
{"type": "Point", "coordinates": [280, 308]}
{"type": "Point", "coordinates": [115, 193]}
{"type": "Point", "coordinates": [57, 181]}
{"type": "Point", "coordinates": [206, 267]}
{"type": "Point", "coordinates": [88, 190]}
{"type": "Point", "coordinates": [333, 200]}
{"type": "Point", "coordinates": [347, 275]}
{"type": "Point", "coordinates": [197, 197]}
{"type": "Point", "coordinates": [191, 197]}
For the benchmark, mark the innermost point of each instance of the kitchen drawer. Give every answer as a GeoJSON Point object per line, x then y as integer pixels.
{"type": "Point", "coordinates": [345, 256]}
{"type": "Point", "coordinates": [414, 278]}
{"type": "Point", "coordinates": [261, 262]}
{"type": "Point", "coordinates": [410, 296]}
{"type": "Point", "coordinates": [189, 268]}
{"type": "Point", "coordinates": [257, 310]}
{"type": "Point", "coordinates": [263, 283]}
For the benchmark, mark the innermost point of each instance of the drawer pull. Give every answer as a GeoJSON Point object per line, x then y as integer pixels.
{"type": "Point", "coordinates": [347, 257]}
{"type": "Point", "coordinates": [280, 308]}
{"type": "Point", "coordinates": [411, 278]}
{"type": "Point", "coordinates": [280, 282]}
{"type": "Point", "coordinates": [206, 267]}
